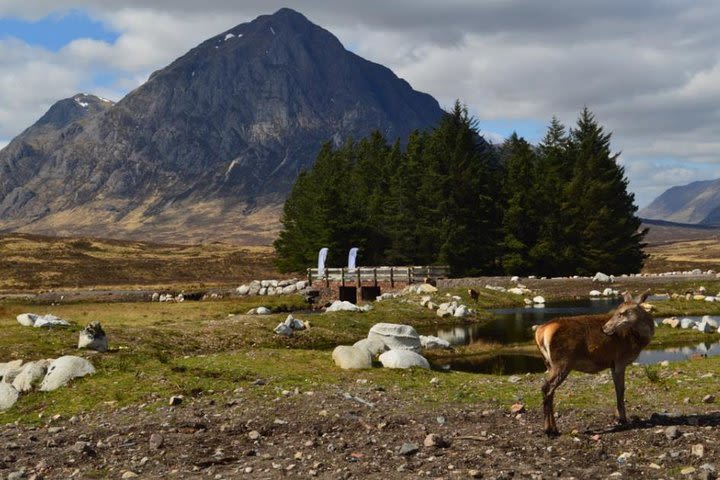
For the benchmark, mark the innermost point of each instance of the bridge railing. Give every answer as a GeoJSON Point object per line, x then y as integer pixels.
{"type": "Point", "coordinates": [365, 275]}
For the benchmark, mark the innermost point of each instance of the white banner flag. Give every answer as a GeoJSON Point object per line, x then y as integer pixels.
{"type": "Point", "coordinates": [321, 261]}
{"type": "Point", "coordinates": [351, 258]}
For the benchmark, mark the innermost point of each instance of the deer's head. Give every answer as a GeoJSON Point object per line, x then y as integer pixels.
{"type": "Point", "coordinates": [630, 315]}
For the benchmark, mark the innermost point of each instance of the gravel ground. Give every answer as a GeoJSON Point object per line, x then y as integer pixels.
{"type": "Point", "coordinates": [260, 432]}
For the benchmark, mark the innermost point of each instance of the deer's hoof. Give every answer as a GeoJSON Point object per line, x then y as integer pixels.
{"type": "Point", "coordinates": [552, 432]}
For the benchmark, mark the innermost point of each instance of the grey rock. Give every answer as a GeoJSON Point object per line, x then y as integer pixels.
{"type": "Point", "coordinates": [284, 330]}
{"type": "Point", "coordinates": [374, 346]}
{"type": "Point", "coordinates": [708, 399]}
{"type": "Point", "coordinates": [435, 440]}
{"type": "Point", "coordinates": [93, 337]}
{"type": "Point", "coordinates": [342, 306]}
{"type": "Point", "coordinates": [64, 369]}
{"type": "Point", "coordinates": [263, 311]}
{"type": "Point", "coordinates": [175, 400]}
{"type": "Point", "coordinates": [82, 448]}
{"type": "Point", "coordinates": [16, 475]}
{"type": "Point", "coordinates": [27, 319]}
{"type": "Point", "coordinates": [156, 441]}
{"type": "Point", "coordinates": [294, 323]}
{"type": "Point", "coordinates": [49, 320]}
{"type": "Point", "coordinates": [396, 336]}
{"type": "Point", "coordinates": [407, 449]}
{"type": "Point", "coordinates": [243, 289]}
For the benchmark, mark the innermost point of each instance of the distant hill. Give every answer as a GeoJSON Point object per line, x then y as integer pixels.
{"type": "Point", "coordinates": [662, 232]}
{"type": "Point", "coordinates": [209, 147]}
{"type": "Point", "coordinates": [695, 203]}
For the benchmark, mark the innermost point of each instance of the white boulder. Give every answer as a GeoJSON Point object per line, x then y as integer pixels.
{"type": "Point", "coordinates": [461, 311]}
{"type": "Point", "coordinates": [50, 320]}
{"type": "Point", "coordinates": [27, 319]}
{"type": "Point", "coordinates": [263, 291]}
{"type": "Point", "coordinates": [351, 358]}
{"type": "Point", "coordinates": [294, 323]}
{"type": "Point", "coordinates": [426, 288]}
{"type": "Point", "coordinates": [711, 321]}
{"type": "Point", "coordinates": [687, 323]}
{"type": "Point", "coordinates": [301, 285]}
{"type": "Point", "coordinates": [430, 341]}
{"type": "Point", "coordinates": [284, 330]}
{"type": "Point", "coordinates": [9, 370]}
{"type": "Point", "coordinates": [30, 375]}
{"type": "Point", "coordinates": [516, 291]}
{"type": "Point", "coordinates": [595, 293]}
{"type": "Point", "coordinates": [601, 277]}
{"type": "Point", "coordinates": [8, 396]}
{"type": "Point", "coordinates": [243, 289]}
{"type": "Point", "coordinates": [705, 327]}
{"type": "Point", "coordinates": [538, 299]}
{"type": "Point", "coordinates": [374, 346]}
{"type": "Point", "coordinates": [515, 279]}
{"type": "Point", "coordinates": [403, 359]}
{"type": "Point", "coordinates": [262, 311]}
{"type": "Point", "coordinates": [396, 336]}
{"type": "Point", "coordinates": [64, 369]}
{"type": "Point", "coordinates": [343, 306]}
{"type": "Point", "coordinates": [289, 289]}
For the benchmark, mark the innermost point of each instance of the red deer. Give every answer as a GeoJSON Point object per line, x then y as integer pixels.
{"type": "Point", "coordinates": [590, 344]}
{"type": "Point", "coordinates": [473, 294]}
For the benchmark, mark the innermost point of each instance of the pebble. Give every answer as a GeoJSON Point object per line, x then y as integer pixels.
{"type": "Point", "coordinates": [672, 432]}
{"type": "Point", "coordinates": [435, 440]}
{"type": "Point", "coordinates": [474, 473]}
{"type": "Point", "coordinates": [440, 420]}
{"type": "Point", "coordinates": [82, 447]}
{"type": "Point", "coordinates": [517, 408]}
{"type": "Point", "coordinates": [129, 474]}
{"type": "Point", "coordinates": [254, 435]}
{"type": "Point", "coordinates": [175, 400]}
{"type": "Point", "coordinates": [687, 470]}
{"type": "Point", "coordinates": [708, 399]}
{"type": "Point", "coordinates": [156, 441]}
{"type": "Point", "coordinates": [408, 449]}
{"type": "Point", "coordinates": [698, 450]}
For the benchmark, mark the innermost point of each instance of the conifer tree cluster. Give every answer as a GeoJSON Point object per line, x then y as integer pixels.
{"type": "Point", "coordinates": [448, 197]}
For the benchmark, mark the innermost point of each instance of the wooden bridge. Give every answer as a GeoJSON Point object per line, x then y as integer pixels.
{"type": "Point", "coordinates": [374, 275]}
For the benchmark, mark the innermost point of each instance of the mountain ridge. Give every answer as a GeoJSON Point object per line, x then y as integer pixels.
{"type": "Point", "coordinates": [695, 203]}
{"type": "Point", "coordinates": [207, 148]}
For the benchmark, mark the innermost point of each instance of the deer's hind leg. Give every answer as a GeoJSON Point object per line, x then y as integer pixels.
{"type": "Point", "coordinates": [556, 376]}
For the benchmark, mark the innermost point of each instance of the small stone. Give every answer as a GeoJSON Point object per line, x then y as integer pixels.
{"type": "Point", "coordinates": [655, 466]}
{"type": "Point", "coordinates": [408, 449]}
{"type": "Point", "coordinates": [129, 474]}
{"type": "Point", "coordinates": [672, 432]}
{"type": "Point", "coordinates": [435, 440]}
{"type": "Point", "coordinates": [624, 457]}
{"type": "Point", "coordinates": [82, 447]}
{"type": "Point", "coordinates": [156, 441]}
{"type": "Point", "coordinates": [474, 473]}
{"type": "Point", "coordinates": [687, 470]}
{"type": "Point", "coordinates": [248, 469]}
{"type": "Point", "coordinates": [175, 400]}
{"type": "Point", "coordinates": [698, 450]}
{"type": "Point", "coordinates": [440, 420]}
{"type": "Point", "coordinates": [254, 435]}
{"type": "Point", "coordinates": [16, 475]}
{"type": "Point", "coordinates": [708, 399]}
{"type": "Point", "coordinates": [517, 408]}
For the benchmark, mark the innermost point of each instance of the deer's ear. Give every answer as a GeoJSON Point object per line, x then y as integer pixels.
{"type": "Point", "coordinates": [627, 297]}
{"type": "Point", "coordinates": [643, 297]}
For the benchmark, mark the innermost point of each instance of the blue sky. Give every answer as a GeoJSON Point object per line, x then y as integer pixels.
{"type": "Point", "coordinates": [55, 31]}
{"type": "Point", "coordinates": [651, 75]}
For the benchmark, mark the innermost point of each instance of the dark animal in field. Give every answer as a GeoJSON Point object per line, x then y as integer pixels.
{"type": "Point", "coordinates": [473, 294]}
{"type": "Point", "coordinates": [592, 343]}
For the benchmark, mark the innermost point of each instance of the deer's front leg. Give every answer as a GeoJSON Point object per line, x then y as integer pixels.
{"type": "Point", "coordinates": [618, 375]}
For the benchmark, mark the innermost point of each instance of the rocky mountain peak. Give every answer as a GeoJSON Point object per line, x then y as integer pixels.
{"type": "Point", "coordinates": [207, 143]}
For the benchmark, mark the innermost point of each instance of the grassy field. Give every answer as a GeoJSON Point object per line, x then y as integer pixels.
{"type": "Point", "coordinates": [31, 262]}
{"type": "Point", "coordinates": [683, 255]}
{"type": "Point", "coordinates": [192, 348]}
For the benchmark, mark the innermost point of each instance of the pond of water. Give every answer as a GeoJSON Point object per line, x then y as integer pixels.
{"type": "Point", "coordinates": [514, 325]}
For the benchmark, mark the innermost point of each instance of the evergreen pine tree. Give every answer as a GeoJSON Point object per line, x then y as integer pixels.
{"type": "Point", "coordinates": [520, 220]}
